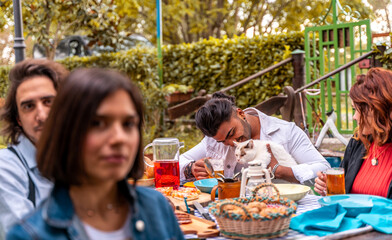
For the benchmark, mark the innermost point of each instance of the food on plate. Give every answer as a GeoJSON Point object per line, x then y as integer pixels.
{"type": "Point", "coordinates": [189, 193]}
{"type": "Point", "coordinates": [166, 191]}
{"type": "Point", "coordinates": [148, 171]}
{"type": "Point", "coordinates": [183, 218]}
{"type": "Point", "coordinates": [189, 184]}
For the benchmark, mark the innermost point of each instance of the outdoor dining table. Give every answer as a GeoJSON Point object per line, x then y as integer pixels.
{"type": "Point", "coordinates": [309, 202]}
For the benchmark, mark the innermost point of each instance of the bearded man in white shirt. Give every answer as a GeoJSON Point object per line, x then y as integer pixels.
{"type": "Point", "coordinates": [222, 123]}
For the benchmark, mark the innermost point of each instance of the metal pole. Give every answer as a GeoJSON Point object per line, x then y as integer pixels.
{"type": "Point", "coordinates": [19, 44]}
{"type": "Point", "coordinates": [160, 60]}
{"type": "Point", "coordinates": [159, 41]}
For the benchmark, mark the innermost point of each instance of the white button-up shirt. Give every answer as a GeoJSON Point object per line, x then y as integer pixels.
{"type": "Point", "coordinates": [287, 134]}
{"type": "Point", "coordinates": [14, 184]}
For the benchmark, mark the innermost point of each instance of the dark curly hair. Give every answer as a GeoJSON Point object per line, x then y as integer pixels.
{"type": "Point", "coordinates": [214, 112]}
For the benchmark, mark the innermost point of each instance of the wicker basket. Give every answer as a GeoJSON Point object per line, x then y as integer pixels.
{"type": "Point", "coordinates": [245, 225]}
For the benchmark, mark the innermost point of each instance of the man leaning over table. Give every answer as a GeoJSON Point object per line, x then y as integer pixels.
{"type": "Point", "coordinates": [222, 123]}
{"type": "Point", "coordinates": [33, 86]}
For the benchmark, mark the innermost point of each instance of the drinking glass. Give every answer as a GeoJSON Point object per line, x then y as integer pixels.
{"type": "Point", "coordinates": [217, 164]}
{"type": "Point", "coordinates": [335, 181]}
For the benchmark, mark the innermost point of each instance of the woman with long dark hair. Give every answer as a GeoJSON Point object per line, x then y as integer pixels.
{"type": "Point", "coordinates": [90, 145]}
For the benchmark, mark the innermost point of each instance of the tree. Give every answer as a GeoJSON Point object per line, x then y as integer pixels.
{"type": "Point", "coordinates": [107, 21]}
{"type": "Point", "coordinates": [48, 21]}
{"type": "Point", "coordinates": [190, 20]}
{"type": "Point", "coordinates": [382, 14]}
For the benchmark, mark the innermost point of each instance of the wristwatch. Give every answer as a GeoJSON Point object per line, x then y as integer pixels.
{"type": "Point", "coordinates": [274, 169]}
{"type": "Point", "coordinates": [188, 171]}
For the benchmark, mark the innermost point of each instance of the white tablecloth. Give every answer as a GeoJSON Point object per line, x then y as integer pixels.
{"type": "Point", "coordinates": [309, 202]}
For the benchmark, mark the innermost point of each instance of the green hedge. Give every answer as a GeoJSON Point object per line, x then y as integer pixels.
{"type": "Point", "coordinates": [208, 64]}
{"type": "Point", "coordinates": [386, 59]}
{"type": "Point", "coordinates": [217, 63]}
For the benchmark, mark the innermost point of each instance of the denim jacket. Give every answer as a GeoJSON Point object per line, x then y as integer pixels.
{"type": "Point", "coordinates": [151, 218]}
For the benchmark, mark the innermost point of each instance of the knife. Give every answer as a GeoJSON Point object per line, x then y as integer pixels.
{"type": "Point", "coordinates": [202, 211]}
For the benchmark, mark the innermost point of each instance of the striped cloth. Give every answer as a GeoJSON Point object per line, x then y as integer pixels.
{"type": "Point", "coordinates": [309, 202]}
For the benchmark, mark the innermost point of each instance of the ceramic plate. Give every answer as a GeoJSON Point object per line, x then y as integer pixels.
{"type": "Point", "coordinates": [354, 203]}
{"type": "Point", "coordinates": [293, 192]}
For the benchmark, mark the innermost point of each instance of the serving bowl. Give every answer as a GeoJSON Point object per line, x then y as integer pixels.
{"type": "Point", "coordinates": [206, 185]}
{"type": "Point", "coordinates": [293, 192]}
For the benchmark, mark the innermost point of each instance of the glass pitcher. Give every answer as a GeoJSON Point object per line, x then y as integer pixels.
{"type": "Point", "coordinates": [166, 161]}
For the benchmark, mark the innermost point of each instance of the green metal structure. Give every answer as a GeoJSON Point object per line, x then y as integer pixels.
{"type": "Point", "coordinates": [328, 47]}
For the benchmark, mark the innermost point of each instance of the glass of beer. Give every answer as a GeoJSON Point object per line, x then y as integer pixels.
{"type": "Point", "coordinates": [217, 164]}
{"type": "Point", "coordinates": [335, 181]}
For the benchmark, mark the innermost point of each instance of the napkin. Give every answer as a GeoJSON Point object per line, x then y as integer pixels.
{"type": "Point", "coordinates": [333, 218]}
{"type": "Point", "coordinates": [324, 221]}
{"type": "Point", "coordinates": [380, 217]}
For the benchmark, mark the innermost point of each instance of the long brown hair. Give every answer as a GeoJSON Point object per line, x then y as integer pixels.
{"type": "Point", "coordinates": [59, 150]}
{"type": "Point", "coordinates": [372, 97]}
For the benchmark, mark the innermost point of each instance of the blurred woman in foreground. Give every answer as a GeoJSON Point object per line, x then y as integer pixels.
{"type": "Point", "coordinates": [367, 160]}
{"type": "Point", "coordinates": [89, 147]}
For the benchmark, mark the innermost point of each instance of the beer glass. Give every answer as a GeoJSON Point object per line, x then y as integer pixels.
{"type": "Point", "coordinates": [335, 181]}
{"type": "Point", "coordinates": [217, 164]}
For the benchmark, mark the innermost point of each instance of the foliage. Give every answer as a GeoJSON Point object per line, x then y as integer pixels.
{"type": "Point", "coordinates": [187, 133]}
{"type": "Point", "coordinates": [47, 22]}
{"type": "Point", "coordinates": [171, 88]}
{"type": "Point", "coordinates": [107, 22]}
{"type": "Point", "coordinates": [386, 58]}
{"type": "Point", "coordinates": [189, 21]}
{"type": "Point", "coordinates": [4, 80]}
{"type": "Point", "coordinates": [208, 64]}
{"type": "Point", "coordinates": [382, 14]}
{"type": "Point", "coordinates": [214, 64]}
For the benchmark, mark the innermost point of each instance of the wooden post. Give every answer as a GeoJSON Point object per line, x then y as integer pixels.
{"type": "Point", "coordinates": [299, 81]}
{"type": "Point", "coordinates": [376, 62]}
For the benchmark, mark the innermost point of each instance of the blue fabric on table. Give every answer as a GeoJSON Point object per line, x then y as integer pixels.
{"type": "Point", "coordinates": [332, 218]}
{"type": "Point", "coordinates": [380, 217]}
{"type": "Point", "coordinates": [324, 221]}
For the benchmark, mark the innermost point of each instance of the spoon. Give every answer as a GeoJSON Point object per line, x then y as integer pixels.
{"type": "Point", "coordinates": [220, 175]}
{"type": "Point", "coordinates": [209, 168]}
{"type": "Point", "coordinates": [220, 180]}
{"type": "Point", "coordinates": [236, 175]}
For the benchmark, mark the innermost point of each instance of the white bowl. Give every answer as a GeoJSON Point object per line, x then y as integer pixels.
{"type": "Point", "coordinates": [293, 192]}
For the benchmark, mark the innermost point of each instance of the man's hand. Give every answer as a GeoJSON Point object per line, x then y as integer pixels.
{"type": "Point", "coordinates": [281, 172]}
{"type": "Point", "coordinates": [321, 186]}
{"type": "Point", "coordinates": [273, 161]}
{"type": "Point", "coordinates": [198, 170]}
